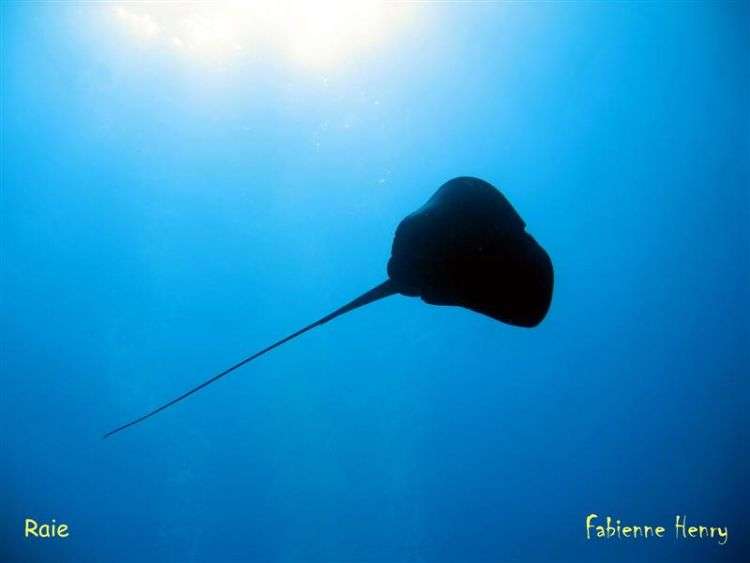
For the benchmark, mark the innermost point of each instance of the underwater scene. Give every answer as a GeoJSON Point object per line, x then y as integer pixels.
{"type": "Point", "coordinates": [374, 282]}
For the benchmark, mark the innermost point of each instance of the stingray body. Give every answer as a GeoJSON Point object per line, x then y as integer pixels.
{"type": "Point", "coordinates": [468, 247]}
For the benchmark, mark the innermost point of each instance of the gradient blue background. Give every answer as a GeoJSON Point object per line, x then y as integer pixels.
{"type": "Point", "coordinates": [162, 220]}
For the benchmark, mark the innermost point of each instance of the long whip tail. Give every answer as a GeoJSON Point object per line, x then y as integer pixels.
{"type": "Point", "coordinates": [379, 292]}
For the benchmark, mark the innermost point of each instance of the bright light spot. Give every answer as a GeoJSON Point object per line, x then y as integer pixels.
{"type": "Point", "coordinates": [313, 33]}
{"type": "Point", "coordinates": [141, 25]}
{"type": "Point", "coordinates": [319, 32]}
{"type": "Point", "coordinates": [208, 34]}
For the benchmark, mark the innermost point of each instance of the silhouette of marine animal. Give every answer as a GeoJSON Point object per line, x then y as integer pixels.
{"type": "Point", "coordinates": [467, 247]}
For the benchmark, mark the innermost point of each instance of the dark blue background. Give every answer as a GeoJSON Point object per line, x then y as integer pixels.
{"type": "Point", "coordinates": [161, 219]}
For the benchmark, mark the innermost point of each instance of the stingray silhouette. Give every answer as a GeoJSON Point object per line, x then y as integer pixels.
{"type": "Point", "coordinates": [467, 247]}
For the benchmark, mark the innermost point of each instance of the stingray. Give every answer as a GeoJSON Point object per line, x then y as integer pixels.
{"type": "Point", "coordinates": [466, 247]}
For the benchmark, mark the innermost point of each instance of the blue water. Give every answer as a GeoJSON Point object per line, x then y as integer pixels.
{"type": "Point", "coordinates": [162, 218]}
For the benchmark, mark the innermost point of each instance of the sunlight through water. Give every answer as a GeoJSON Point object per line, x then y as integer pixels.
{"type": "Point", "coordinates": [314, 34]}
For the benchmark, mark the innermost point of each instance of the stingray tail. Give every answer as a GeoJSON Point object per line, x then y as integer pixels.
{"type": "Point", "coordinates": [385, 289]}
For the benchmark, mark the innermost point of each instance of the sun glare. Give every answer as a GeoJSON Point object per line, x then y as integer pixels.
{"type": "Point", "coordinates": [312, 33]}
